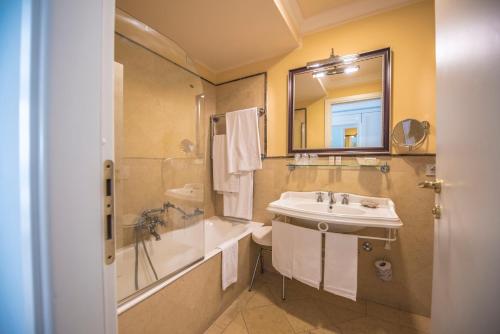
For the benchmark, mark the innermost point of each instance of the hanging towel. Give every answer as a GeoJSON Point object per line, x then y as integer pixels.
{"type": "Point", "coordinates": [282, 241]}
{"type": "Point", "coordinates": [341, 264]}
{"type": "Point", "coordinates": [240, 204]}
{"type": "Point", "coordinates": [243, 142]}
{"type": "Point", "coordinates": [223, 181]}
{"type": "Point", "coordinates": [306, 256]}
{"type": "Point", "coordinates": [229, 262]}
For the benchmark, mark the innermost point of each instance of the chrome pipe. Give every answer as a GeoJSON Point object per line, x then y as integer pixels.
{"type": "Point", "coordinates": [255, 270]}
{"type": "Point", "coordinates": [283, 288]}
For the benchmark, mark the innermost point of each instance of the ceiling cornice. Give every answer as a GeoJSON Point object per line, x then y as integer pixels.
{"type": "Point", "coordinates": [348, 12]}
{"type": "Point", "coordinates": [289, 18]}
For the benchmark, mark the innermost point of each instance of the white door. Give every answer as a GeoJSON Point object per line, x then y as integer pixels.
{"type": "Point", "coordinates": [466, 282]}
{"type": "Point", "coordinates": [76, 88]}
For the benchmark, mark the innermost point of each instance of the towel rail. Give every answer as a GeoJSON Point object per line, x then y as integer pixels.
{"type": "Point", "coordinates": [216, 117]}
{"type": "Point", "coordinates": [391, 233]}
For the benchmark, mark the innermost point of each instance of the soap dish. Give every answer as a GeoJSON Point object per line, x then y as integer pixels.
{"type": "Point", "coordinates": [369, 204]}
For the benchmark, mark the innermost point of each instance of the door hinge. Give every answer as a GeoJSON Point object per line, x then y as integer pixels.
{"type": "Point", "coordinates": [436, 211]}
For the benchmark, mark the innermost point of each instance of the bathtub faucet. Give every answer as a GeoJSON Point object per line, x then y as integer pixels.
{"type": "Point", "coordinates": [155, 221]}
{"type": "Point", "coordinates": [150, 220]}
{"type": "Point", "coordinates": [154, 233]}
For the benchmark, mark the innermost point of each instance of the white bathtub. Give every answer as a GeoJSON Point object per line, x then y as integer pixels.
{"type": "Point", "coordinates": [174, 251]}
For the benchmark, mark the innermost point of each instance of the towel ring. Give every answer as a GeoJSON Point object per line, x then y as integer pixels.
{"type": "Point", "coordinates": [323, 227]}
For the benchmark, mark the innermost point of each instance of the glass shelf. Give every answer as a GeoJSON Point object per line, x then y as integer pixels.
{"type": "Point", "coordinates": [384, 168]}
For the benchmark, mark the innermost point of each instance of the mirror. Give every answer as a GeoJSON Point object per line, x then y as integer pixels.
{"type": "Point", "coordinates": [410, 133]}
{"type": "Point", "coordinates": [341, 107]}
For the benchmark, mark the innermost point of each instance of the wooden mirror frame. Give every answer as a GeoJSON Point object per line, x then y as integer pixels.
{"type": "Point", "coordinates": [386, 112]}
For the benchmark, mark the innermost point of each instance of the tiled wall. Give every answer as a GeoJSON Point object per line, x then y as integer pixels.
{"type": "Point", "coordinates": [159, 105]}
{"type": "Point", "coordinates": [158, 112]}
{"type": "Point", "coordinates": [191, 303]}
{"type": "Point", "coordinates": [411, 255]}
{"type": "Point", "coordinates": [240, 94]}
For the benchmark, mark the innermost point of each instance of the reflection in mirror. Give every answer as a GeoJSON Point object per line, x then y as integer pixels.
{"type": "Point", "coordinates": [341, 107]}
{"type": "Point", "coordinates": [410, 133]}
{"type": "Point", "coordinates": [300, 128]}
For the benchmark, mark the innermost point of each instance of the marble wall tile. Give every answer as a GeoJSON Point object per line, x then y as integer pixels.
{"type": "Point", "coordinates": [157, 112]}
{"type": "Point", "coordinates": [191, 303]}
{"type": "Point", "coordinates": [240, 94]}
{"type": "Point", "coordinates": [411, 255]}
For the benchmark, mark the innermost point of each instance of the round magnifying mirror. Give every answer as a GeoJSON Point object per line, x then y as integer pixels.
{"type": "Point", "coordinates": [410, 133]}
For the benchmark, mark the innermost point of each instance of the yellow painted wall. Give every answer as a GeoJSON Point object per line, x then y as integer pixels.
{"type": "Point", "coordinates": [316, 124]}
{"type": "Point", "coordinates": [365, 88]}
{"type": "Point", "coordinates": [408, 31]}
{"type": "Point", "coordinates": [299, 117]}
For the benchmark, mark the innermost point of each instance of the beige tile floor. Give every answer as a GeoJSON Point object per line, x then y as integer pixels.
{"type": "Point", "coordinates": [308, 311]}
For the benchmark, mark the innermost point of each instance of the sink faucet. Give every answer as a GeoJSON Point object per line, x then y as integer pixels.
{"type": "Point", "coordinates": [331, 195]}
{"type": "Point", "coordinates": [319, 197]}
{"type": "Point", "coordinates": [345, 199]}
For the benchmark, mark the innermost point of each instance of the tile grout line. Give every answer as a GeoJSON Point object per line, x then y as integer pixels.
{"type": "Point", "coordinates": [226, 326]}
{"type": "Point", "coordinates": [275, 301]}
{"type": "Point", "coordinates": [244, 322]}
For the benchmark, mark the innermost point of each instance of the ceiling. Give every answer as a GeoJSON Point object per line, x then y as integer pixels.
{"type": "Point", "coordinates": [311, 8]}
{"type": "Point", "coordinates": [226, 34]}
{"type": "Point", "coordinates": [307, 90]}
{"type": "Point", "coordinates": [221, 34]}
{"type": "Point", "coordinates": [308, 16]}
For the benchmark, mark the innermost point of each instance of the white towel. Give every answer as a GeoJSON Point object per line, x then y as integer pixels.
{"type": "Point", "coordinates": [243, 142]}
{"type": "Point", "coordinates": [240, 204]}
{"type": "Point", "coordinates": [307, 256]}
{"type": "Point", "coordinates": [282, 241]}
{"type": "Point", "coordinates": [223, 181]}
{"type": "Point", "coordinates": [341, 265]}
{"type": "Point", "coordinates": [229, 262]}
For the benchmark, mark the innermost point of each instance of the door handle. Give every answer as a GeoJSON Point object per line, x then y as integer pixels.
{"type": "Point", "coordinates": [436, 185]}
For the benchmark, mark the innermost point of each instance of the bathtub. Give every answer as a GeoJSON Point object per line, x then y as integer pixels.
{"type": "Point", "coordinates": [170, 256]}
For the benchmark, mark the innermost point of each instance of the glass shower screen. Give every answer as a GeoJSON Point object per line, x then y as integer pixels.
{"type": "Point", "coordinates": [160, 166]}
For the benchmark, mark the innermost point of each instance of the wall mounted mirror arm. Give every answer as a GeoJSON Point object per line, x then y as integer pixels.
{"type": "Point", "coordinates": [410, 133]}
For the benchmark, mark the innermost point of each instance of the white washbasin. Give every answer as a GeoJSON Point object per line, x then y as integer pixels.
{"type": "Point", "coordinates": [340, 217]}
{"type": "Point", "coordinates": [325, 208]}
{"type": "Point", "coordinates": [192, 192]}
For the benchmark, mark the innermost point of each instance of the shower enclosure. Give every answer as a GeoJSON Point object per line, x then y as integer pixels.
{"type": "Point", "coordinates": [160, 165]}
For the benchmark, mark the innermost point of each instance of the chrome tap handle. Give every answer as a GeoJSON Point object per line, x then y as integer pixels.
{"type": "Point", "coordinates": [161, 222]}
{"type": "Point", "coordinates": [331, 195]}
{"type": "Point", "coordinates": [345, 199]}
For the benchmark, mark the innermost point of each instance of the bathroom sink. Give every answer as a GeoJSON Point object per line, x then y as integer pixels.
{"type": "Point", "coordinates": [339, 217]}
{"type": "Point", "coordinates": [192, 192]}
{"type": "Point", "coordinates": [325, 208]}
